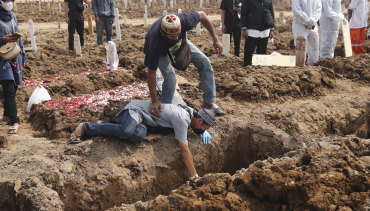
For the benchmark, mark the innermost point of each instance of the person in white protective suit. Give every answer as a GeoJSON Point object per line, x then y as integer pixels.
{"type": "Point", "coordinates": [331, 18]}
{"type": "Point", "coordinates": [306, 14]}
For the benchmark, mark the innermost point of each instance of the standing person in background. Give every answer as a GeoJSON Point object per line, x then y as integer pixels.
{"type": "Point", "coordinates": [306, 14]}
{"type": "Point", "coordinates": [230, 18]}
{"type": "Point", "coordinates": [11, 70]}
{"type": "Point", "coordinates": [104, 18]}
{"type": "Point", "coordinates": [73, 10]}
{"type": "Point", "coordinates": [258, 23]}
{"type": "Point", "coordinates": [331, 18]}
{"type": "Point", "coordinates": [357, 16]}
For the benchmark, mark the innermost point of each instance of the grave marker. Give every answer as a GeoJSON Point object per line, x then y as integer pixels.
{"type": "Point", "coordinates": [89, 22]}
{"type": "Point", "coordinates": [300, 47]}
{"type": "Point", "coordinates": [226, 44]}
{"type": "Point", "coordinates": [125, 3]}
{"type": "Point", "coordinates": [32, 34]}
{"type": "Point", "coordinates": [277, 60]}
{"type": "Point", "coordinates": [346, 38]}
{"type": "Point", "coordinates": [201, 4]}
{"type": "Point", "coordinates": [198, 29]}
{"type": "Point", "coordinates": [77, 44]}
{"type": "Point", "coordinates": [59, 7]}
{"type": "Point", "coordinates": [145, 9]}
{"type": "Point", "coordinates": [171, 4]}
{"type": "Point", "coordinates": [164, 12]}
{"type": "Point", "coordinates": [118, 28]}
{"type": "Point", "coordinates": [179, 11]}
{"type": "Point", "coordinates": [145, 20]}
{"type": "Point", "coordinates": [281, 18]}
{"type": "Point", "coordinates": [125, 19]}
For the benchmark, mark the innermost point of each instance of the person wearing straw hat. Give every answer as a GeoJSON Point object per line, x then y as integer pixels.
{"type": "Point", "coordinates": [11, 70]}
{"type": "Point", "coordinates": [166, 35]}
{"type": "Point", "coordinates": [132, 122]}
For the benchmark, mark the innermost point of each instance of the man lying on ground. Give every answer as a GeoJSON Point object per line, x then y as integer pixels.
{"type": "Point", "coordinates": [132, 121]}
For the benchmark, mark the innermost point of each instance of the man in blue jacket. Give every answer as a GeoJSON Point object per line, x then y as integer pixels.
{"type": "Point", "coordinates": [104, 18]}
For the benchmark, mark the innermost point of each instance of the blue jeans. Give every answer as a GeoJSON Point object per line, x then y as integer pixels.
{"type": "Point", "coordinates": [206, 75]}
{"type": "Point", "coordinates": [129, 129]}
{"type": "Point", "coordinates": [104, 23]}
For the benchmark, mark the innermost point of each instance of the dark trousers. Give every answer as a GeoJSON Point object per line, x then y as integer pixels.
{"type": "Point", "coordinates": [72, 27]}
{"type": "Point", "coordinates": [10, 106]}
{"type": "Point", "coordinates": [250, 45]}
{"type": "Point", "coordinates": [235, 33]}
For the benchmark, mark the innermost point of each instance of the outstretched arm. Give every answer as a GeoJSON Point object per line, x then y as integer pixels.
{"type": "Point", "coordinates": [156, 106]}
{"type": "Point", "coordinates": [208, 25]}
{"type": "Point", "coordinates": [187, 159]}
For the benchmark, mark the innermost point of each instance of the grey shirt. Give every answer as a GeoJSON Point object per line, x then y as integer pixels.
{"type": "Point", "coordinates": [103, 8]}
{"type": "Point", "coordinates": [173, 116]}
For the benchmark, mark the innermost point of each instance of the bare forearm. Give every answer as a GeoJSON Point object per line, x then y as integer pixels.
{"type": "Point", "coordinates": [152, 83]}
{"type": "Point", "coordinates": [208, 25]}
{"type": "Point", "coordinates": [349, 14]}
{"type": "Point", "coordinates": [66, 9]}
{"type": "Point", "coordinates": [187, 159]}
{"type": "Point", "coordinates": [223, 17]}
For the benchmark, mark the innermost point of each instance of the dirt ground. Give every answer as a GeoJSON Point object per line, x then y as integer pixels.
{"type": "Point", "coordinates": [294, 138]}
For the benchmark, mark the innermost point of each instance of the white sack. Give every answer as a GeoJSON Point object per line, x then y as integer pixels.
{"type": "Point", "coordinates": [112, 56]}
{"type": "Point", "coordinates": [39, 95]}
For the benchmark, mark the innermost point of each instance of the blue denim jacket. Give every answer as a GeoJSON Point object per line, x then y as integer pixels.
{"type": "Point", "coordinates": [103, 8]}
{"type": "Point", "coordinates": [11, 70]}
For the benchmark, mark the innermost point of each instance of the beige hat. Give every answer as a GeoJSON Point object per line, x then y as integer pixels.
{"type": "Point", "coordinates": [171, 24]}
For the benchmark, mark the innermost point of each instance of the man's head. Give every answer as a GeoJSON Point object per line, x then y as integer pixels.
{"type": "Point", "coordinates": [7, 4]}
{"type": "Point", "coordinates": [203, 119]}
{"type": "Point", "coordinates": [171, 26]}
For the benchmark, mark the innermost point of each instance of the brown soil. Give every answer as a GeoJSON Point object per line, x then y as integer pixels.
{"type": "Point", "coordinates": [293, 138]}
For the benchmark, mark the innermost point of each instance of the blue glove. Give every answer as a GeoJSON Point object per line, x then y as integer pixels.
{"type": "Point", "coordinates": [206, 137]}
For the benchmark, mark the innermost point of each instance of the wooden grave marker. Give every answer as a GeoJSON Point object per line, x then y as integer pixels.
{"type": "Point", "coordinates": [198, 29]}
{"type": "Point", "coordinates": [145, 20]}
{"type": "Point", "coordinates": [89, 22]}
{"type": "Point", "coordinates": [346, 38]}
{"type": "Point", "coordinates": [145, 9]}
{"type": "Point", "coordinates": [277, 60]}
{"type": "Point", "coordinates": [226, 44]}
{"type": "Point", "coordinates": [125, 20]}
{"type": "Point", "coordinates": [32, 34]}
{"type": "Point", "coordinates": [171, 4]}
{"type": "Point", "coordinates": [77, 44]}
{"type": "Point", "coordinates": [118, 27]}
{"type": "Point", "coordinates": [300, 48]}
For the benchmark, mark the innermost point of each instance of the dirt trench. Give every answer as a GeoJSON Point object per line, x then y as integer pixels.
{"type": "Point", "coordinates": [101, 174]}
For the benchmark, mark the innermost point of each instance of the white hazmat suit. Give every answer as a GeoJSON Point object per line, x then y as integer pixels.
{"type": "Point", "coordinates": [331, 18]}
{"type": "Point", "coordinates": [306, 14]}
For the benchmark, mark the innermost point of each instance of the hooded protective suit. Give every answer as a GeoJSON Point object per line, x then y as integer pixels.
{"type": "Point", "coordinates": [306, 14]}
{"type": "Point", "coordinates": [330, 21]}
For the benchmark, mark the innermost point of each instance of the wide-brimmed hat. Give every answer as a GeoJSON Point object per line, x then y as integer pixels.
{"type": "Point", "coordinates": [171, 24]}
{"type": "Point", "coordinates": [208, 116]}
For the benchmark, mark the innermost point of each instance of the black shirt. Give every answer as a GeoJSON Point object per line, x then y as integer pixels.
{"type": "Point", "coordinates": [231, 16]}
{"type": "Point", "coordinates": [76, 9]}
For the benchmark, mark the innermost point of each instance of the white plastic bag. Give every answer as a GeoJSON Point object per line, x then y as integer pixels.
{"type": "Point", "coordinates": [112, 57]}
{"type": "Point", "coordinates": [39, 95]}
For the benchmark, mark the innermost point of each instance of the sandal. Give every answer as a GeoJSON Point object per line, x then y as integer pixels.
{"type": "Point", "coordinates": [77, 138]}
{"type": "Point", "coordinates": [218, 111]}
{"type": "Point", "coordinates": [14, 129]}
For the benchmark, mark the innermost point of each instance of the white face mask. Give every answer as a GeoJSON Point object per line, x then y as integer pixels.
{"type": "Point", "coordinates": [8, 6]}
